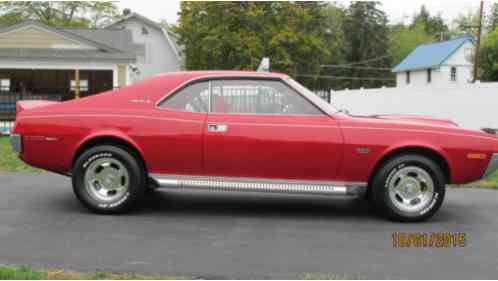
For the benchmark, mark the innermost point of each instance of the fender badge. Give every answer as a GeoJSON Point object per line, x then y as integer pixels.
{"type": "Point", "coordinates": [363, 150]}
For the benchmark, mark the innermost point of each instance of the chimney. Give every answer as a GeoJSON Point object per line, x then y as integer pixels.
{"type": "Point", "coordinates": [126, 12]}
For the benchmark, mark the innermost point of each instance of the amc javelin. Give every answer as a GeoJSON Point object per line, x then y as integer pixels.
{"type": "Point", "coordinates": [246, 131]}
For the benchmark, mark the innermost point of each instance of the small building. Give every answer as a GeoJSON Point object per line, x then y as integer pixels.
{"type": "Point", "coordinates": [160, 52]}
{"type": "Point", "coordinates": [441, 63]}
{"type": "Point", "coordinates": [38, 61]}
{"type": "Point", "coordinates": [43, 62]}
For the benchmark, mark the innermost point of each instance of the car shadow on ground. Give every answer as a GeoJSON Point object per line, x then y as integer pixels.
{"type": "Point", "coordinates": [248, 205]}
{"type": "Point", "coordinates": [253, 205]}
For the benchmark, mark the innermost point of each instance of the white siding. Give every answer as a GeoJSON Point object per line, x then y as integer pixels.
{"type": "Point", "coordinates": [159, 57]}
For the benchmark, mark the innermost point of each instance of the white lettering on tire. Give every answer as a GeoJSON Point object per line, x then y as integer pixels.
{"type": "Point", "coordinates": [95, 157]}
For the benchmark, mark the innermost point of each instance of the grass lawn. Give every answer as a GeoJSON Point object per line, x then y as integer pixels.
{"type": "Point", "coordinates": [10, 163]}
{"type": "Point", "coordinates": [491, 182]}
{"type": "Point", "coordinates": [319, 276]}
{"type": "Point", "coordinates": [26, 273]}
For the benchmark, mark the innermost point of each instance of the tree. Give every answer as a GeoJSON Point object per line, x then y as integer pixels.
{"type": "Point", "coordinates": [489, 56]}
{"type": "Point", "coordinates": [434, 25]}
{"type": "Point", "coordinates": [236, 35]}
{"type": "Point", "coordinates": [333, 33]}
{"type": "Point", "coordinates": [492, 23]}
{"type": "Point", "coordinates": [466, 23]}
{"type": "Point", "coordinates": [59, 13]}
{"type": "Point", "coordinates": [404, 40]}
{"type": "Point", "coordinates": [366, 34]}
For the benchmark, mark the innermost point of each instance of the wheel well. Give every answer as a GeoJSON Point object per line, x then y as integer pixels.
{"type": "Point", "coordinates": [429, 153]}
{"type": "Point", "coordinates": [107, 140]}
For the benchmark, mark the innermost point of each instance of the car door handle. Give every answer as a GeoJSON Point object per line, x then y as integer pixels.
{"type": "Point", "coordinates": [217, 128]}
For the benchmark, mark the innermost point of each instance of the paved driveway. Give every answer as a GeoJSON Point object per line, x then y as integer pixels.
{"type": "Point", "coordinates": [213, 235]}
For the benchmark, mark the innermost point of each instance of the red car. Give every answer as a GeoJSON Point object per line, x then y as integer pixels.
{"type": "Point", "coordinates": [246, 131]}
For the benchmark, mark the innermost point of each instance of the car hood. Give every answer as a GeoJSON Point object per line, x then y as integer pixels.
{"type": "Point", "coordinates": [414, 119]}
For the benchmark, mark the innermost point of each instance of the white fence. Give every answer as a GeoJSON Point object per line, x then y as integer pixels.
{"type": "Point", "coordinates": [471, 106]}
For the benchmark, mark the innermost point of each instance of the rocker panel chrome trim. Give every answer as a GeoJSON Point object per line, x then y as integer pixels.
{"type": "Point", "coordinates": [260, 185]}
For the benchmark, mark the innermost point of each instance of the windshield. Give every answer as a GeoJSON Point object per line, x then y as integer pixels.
{"type": "Point", "coordinates": [312, 96]}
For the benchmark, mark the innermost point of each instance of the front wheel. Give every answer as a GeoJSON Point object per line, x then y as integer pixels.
{"type": "Point", "coordinates": [408, 188]}
{"type": "Point", "coordinates": [108, 179]}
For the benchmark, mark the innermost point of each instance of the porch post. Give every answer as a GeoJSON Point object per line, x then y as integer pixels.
{"type": "Point", "coordinates": [77, 83]}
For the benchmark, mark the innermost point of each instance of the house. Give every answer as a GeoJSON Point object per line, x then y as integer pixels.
{"type": "Point", "coordinates": [441, 63]}
{"type": "Point", "coordinates": [56, 63]}
{"type": "Point", "coordinates": [160, 50]}
{"type": "Point", "coordinates": [41, 61]}
{"type": "Point", "coordinates": [44, 62]}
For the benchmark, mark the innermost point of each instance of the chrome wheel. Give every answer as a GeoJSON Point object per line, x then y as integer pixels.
{"type": "Point", "coordinates": [107, 180]}
{"type": "Point", "coordinates": [411, 189]}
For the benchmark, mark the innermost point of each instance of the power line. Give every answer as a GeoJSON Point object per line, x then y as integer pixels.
{"type": "Point", "coordinates": [354, 67]}
{"type": "Point", "coordinates": [344, 77]}
{"type": "Point", "coordinates": [364, 61]}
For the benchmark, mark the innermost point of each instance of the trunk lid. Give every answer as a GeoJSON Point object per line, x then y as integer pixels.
{"type": "Point", "coordinates": [31, 104]}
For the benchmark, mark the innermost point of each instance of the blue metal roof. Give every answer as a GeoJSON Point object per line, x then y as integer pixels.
{"type": "Point", "coordinates": [430, 55]}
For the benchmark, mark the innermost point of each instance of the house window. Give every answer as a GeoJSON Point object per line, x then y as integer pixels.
{"type": "Point", "coordinates": [453, 75]}
{"type": "Point", "coordinates": [429, 75]}
{"type": "Point", "coordinates": [4, 85]}
{"type": "Point", "coordinates": [145, 31]}
{"type": "Point", "coordinates": [83, 85]}
{"type": "Point", "coordinates": [408, 77]}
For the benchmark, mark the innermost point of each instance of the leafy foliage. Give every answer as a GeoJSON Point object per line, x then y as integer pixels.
{"type": "Point", "coordinates": [492, 22]}
{"type": "Point", "coordinates": [404, 39]}
{"type": "Point", "coordinates": [366, 34]}
{"type": "Point", "coordinates": [59, 13]}
{"type": "Point", "coordinates": [299, 37]}
{"type": "Point", "coordinates": [489, 56]}
{"type": "Point", "coordinates": [236, 35]}
{"type": "Point", "coordinates": [434, 25]}
{"type": "Point", "coordinates": [466, 23]}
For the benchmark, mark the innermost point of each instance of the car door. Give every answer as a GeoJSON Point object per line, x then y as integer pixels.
{"type": "Point", "coordinates": [178, 137]}
{"type": "Point", "coordinates": [263, 128]}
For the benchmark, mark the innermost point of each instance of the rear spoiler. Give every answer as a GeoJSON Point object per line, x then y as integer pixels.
{"type": "Point", "coordinates": [30, 104]}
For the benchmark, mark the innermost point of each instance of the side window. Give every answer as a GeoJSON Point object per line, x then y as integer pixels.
{"type": "Point", "coordinates": [258, 97]}
{"type": "Point", "coordinates": [192, 98]}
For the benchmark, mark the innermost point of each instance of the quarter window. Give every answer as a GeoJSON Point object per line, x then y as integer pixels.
{"type": "Point", "coordinates": [429, 75]}
{"type": "Point", "coordinates": [408, 77]}
{"type": "Point", "coordinates": [258, 97]}
{"type": "Point", "coordinates": [193, 98]}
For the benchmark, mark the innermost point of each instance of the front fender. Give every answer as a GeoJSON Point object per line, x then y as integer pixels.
{"type": "Point", "coordinates": [414, 146]}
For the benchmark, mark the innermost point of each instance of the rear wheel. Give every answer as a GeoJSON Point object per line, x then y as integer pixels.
{"type": "Point", "coordinates": [108, 179]}
{"type": "Point", "coordinates": [408, 188]}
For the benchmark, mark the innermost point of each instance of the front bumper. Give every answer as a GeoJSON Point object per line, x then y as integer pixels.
{"type": "Point", "coordinates": [492, 166]}
{"type": "Point", "coordinates": [16, 143]}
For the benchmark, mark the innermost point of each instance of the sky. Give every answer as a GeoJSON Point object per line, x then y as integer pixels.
{"type": "Point", "coordinates": [397, 10]}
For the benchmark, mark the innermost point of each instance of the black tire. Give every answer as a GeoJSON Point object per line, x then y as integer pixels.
{"type": "Point", "coordinates": [382, 201]}
{"type": "Point", "coordinates": [136, 179]}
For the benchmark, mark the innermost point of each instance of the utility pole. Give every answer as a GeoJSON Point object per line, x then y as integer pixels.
{"type": "Point", "coordinates": [478, 45]}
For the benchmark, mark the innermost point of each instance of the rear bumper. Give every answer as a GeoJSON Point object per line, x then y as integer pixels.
{"type": "Point", "coordinates": [16, 143]}
{"type": "Point", "coordinates": [492, 166]}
